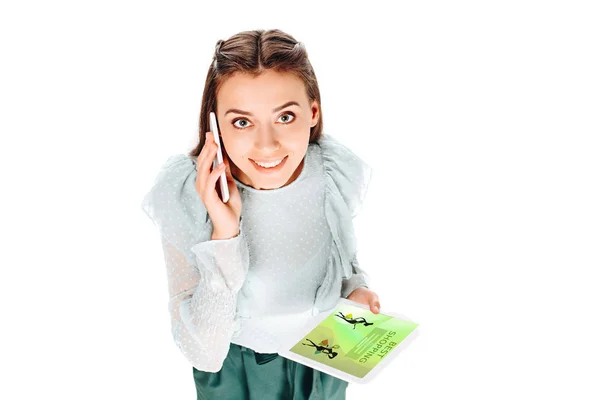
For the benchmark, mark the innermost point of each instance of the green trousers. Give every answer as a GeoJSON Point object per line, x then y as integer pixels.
{"type": "Point", "coordinates": [247, 375]}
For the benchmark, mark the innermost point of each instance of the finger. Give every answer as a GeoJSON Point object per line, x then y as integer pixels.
{"type": "Point", "coordinates": [211, 182]}
{"type": "Point", "coordinates": [205, 160]}
{"type": "Point", "coordinates": [208, 139]}
{"type": "Point", "coordinates": [375, 305]}
{"type": "Point", "coordinates": [205, 149]}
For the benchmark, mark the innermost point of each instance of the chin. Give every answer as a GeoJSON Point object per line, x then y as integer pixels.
{"type": "Point", "coordinates": [271, 178]}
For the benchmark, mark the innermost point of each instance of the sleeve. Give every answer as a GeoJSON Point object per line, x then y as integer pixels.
{"type": "Point", "coordinates": [204, 275]}
{"type": "Point", "coordinates": [359, 278]}
{"type": "Point", "coordinates": [347, 182]}
{"type": "Point", "coordinates": [202, 300]}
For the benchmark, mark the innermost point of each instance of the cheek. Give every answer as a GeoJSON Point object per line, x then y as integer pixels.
{"type": "Point", "coordinates": [235, 149]}
{"type": "Point", "coordinates": [298, 143]}
{"type": "Point", "coordinates": [241, 160]}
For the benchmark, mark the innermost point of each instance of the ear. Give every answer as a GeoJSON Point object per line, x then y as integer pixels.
{"type": "Point", "coordinates": [315, 113]}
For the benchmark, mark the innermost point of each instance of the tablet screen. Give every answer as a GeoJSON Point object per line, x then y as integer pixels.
{"type": "Point", "coordinates": [353, 340]}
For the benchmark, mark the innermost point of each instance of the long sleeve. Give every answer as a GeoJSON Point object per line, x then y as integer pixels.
{"type": "Point", "coordinates": [202, 300]}
{"type": "Point", "coordinates": [358, 279]}
{"type": "Point", "coordinates": [204, 275]}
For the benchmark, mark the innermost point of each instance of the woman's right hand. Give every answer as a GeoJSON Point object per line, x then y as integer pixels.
{"type": "Point", "coordinates": [225, 217]}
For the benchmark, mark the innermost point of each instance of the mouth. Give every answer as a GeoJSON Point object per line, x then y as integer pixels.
{"type": "Point", "coordinates": [269, 167]}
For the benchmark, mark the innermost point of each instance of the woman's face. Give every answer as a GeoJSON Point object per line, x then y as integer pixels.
{"type": "Point", "coordinates": [257, 122]}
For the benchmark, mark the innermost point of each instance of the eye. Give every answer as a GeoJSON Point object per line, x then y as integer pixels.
{"type": "Point", "coordinates": [288, 121]}
{"type": "Point", "coordinates": [246, 122]}
{"type": "Point", "coordinates": [240, 127]}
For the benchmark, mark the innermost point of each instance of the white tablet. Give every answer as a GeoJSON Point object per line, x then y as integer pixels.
{"type": "Point", "coordinates": [350, 342]}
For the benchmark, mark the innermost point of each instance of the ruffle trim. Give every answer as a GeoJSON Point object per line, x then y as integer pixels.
{"type": "Point", "coordinates": [347, 179]}
{"type": "Point", "coordinates": [180, 216]}
{"type": "Point", "coordinates": [176, 209]}
{"type": "Point", "coordinates": [348, 175]}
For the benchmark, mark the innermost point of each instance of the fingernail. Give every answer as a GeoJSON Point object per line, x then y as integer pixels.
{"type": "Point", "coordinates": [376, 309]}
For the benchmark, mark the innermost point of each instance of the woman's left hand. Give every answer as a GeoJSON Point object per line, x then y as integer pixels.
{"type": "Point", "coordinates": [367, 297]}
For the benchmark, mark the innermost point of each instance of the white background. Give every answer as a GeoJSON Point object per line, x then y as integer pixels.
{"type": "Point", "coordinates": [480, 120]}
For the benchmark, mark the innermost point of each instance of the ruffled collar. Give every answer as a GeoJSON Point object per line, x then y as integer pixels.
{"type": "Point", "coordinates": [178, 212]}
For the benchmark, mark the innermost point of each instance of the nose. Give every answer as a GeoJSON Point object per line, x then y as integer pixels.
{"type": "Point", "coordinates": [266, 141]}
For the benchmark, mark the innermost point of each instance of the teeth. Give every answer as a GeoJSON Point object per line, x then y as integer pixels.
{"type": "Point", "coordinates": [269, 165]}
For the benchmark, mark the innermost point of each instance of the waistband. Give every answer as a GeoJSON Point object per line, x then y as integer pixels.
{"type": "Point", "coordinates": [296, 373]}
{"type": "Point", "coordinates": [261, 358]}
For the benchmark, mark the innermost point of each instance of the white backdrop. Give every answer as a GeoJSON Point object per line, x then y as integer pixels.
{"type": "Point", "coordinates": [481, 122]}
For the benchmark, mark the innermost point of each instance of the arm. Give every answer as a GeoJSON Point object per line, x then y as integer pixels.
{"type": "Point", "coordinates": [203, 299]}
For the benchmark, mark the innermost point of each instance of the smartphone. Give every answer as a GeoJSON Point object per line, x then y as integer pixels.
{"type": "Point", "coordinates": [219, 158]}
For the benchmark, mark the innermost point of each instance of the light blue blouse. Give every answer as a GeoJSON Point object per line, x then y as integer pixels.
{"type": "Point", "coordinates": [295, 255]}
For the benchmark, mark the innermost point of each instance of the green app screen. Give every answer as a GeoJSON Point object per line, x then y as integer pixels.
{"type": "Point", "coordinates": [353, 340]}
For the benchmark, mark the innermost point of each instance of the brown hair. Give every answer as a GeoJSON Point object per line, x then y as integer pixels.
{"type": "Point", "coordinates": [254, 52]}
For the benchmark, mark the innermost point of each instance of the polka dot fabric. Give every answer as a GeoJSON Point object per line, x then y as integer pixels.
{"type": "Point", "coordinates": [295, 256]}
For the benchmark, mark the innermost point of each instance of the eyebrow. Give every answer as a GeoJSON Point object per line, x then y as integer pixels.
{"type": "Point", "coordinates": [281, 107]}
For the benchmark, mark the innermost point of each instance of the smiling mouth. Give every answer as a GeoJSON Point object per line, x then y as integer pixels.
{"type": "Point", "coordinates": [269, 167]}
{"type": "Point", "coordinates": [270, 164]}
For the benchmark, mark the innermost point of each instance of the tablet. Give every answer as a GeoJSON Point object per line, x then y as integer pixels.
{"type": "Point", "coordinates": [350, 342]}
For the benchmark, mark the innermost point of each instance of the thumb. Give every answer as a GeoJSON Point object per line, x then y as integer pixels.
{"type": "Point", "coordinates": [375, 306]}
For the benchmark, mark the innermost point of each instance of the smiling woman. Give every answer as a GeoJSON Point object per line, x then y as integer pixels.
{"type": "Point", "coordinates": [241, 279]}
